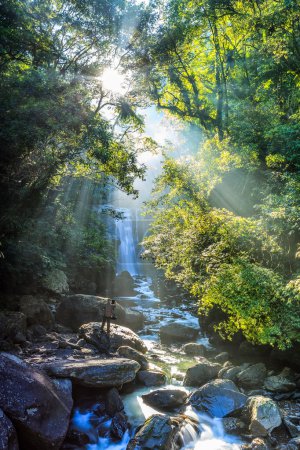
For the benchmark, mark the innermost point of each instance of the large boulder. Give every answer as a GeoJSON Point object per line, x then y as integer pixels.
{"type": "Point", "coordinates": [118, 337]}
{"type": "Point", "coordinates": [97, 373]}
{"type": "Point", "coordinates": [12, 325]}
{"type": "Point", "coordinates": [165, 399]}
{"type": "Point", "coordinates": [252, 376]}
{"type": "Point", "coordinates": [76, 310]}
{"type": "Point", "coordinates": [36, 406]}
{"type": "Point", "coordinates": [229, 373]}
{"type": "Point", "coordinates": [124, 285]}
{"type": "Point", "coordinates": [264, 415]}
{"type": "Point", "coordinates": [279, 383]}
{"type": "Point", "coordinates": [194, 349]}
{"type": "Point", "coordinates": [151, 378]}
{"type": "Point", "coordinates": [8, 435]}
{"type": "Point", "coordinates": [56, 281]}
{"type": "Point", "coordinates": [201, 373]}
{"type": "Point", "coordinates": [133, 319]}
{"type": "Point", "coordinates": [131, 353]}
{"type": "Point", "coordinates": [161, 432]}
{"type": "Point", "coordinates": [218, 398]}
{"type": "Point", "coordinates": [37, 312]}
{"type": "Point", "coordinates": [177, 332]}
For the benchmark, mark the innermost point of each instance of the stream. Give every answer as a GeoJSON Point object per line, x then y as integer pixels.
{"type": "Point", "coordinates": [158, 310]}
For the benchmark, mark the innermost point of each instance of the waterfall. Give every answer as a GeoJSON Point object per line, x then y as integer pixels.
{"type": "Point", "coordinates": [127, 250]}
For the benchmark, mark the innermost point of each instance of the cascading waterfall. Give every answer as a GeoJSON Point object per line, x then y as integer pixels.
{"type": "Point", "coordinates": [127, 251]}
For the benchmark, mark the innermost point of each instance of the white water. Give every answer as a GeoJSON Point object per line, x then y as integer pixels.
{"type": "Point", "coordinates": [211, 434]}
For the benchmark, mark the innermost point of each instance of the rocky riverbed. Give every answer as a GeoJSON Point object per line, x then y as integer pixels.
{"type": "Point", "coordinates": [155, 383]}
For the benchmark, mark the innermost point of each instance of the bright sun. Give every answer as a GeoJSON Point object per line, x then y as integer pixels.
{"type": "Point", "coordinates": [113, 80]}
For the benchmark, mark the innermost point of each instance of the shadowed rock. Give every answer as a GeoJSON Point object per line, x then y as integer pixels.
{"type": "Point", "coordinates": [36, 406]}
{"type": "Point", "coordinates": [165, 399]}
{"type": "Point", "coordinates": [201, 373]}
{"type": "Point", "coordinates": [8, 435]}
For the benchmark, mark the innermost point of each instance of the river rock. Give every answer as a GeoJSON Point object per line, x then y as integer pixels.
{"type": "Point", "coordinates": [257, 444]}
{"type": "Point", "coordinates": [35, 405]}
{"type": "Point", "coordinates": [221, 358]}
{"type": "Point", "coordinates": [131, 353]}
{"type": "Point", "coordinates": [218, 398]}
{"type": "Point", "coordinates": [12, 325]}
{"type": "Point", "coordinates": [230, 373]}
{"type": "Point", "coordinates": [252, 376]}
{"type": "Point", "coordinates": [165, 399]}
{"type": "Point", "coordinates": [119, 425]}
{"type": "Point", "coordinates": [8, 435]}
{"type": "Point", "coordinates": [194, 349]}
{"type": "Point", "coordinates": [233, 425]}
{"type": "Point", "coordinates": [157, 433]}
{"type": "Point", "coordinates": [76, 310]}
{"type": "Point", "coordinates": [97, 373]}
{"type": "Point", "coordinates": [113, 402]}
{"type": "Point", "coordinates": [151, 378]}
{"type": "Point", "coordinates": [176, 332]}
{"type": "Point", "coordinates": [36, 311]}
{"type": "Point", "coordinates": [264, 415]}
{"type": "Point", "coordinates": [124, 285]}
{"type": "Point", "coordinates": [278, 383]}
{"type": "Point", "coordinates": [133, 319]}
{"type": "Point", "coordinates": [119, 336]}
{"type": "Point", "coordinates": [56, 281]}
{"type": "Point", "coordinates": [201, 373]}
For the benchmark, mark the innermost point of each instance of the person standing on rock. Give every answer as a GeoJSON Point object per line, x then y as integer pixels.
{"type": "Point", "coordinates": [109, 313]}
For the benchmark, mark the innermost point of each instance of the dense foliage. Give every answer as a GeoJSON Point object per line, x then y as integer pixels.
{"type": "Point", "coordinates": [226, 220]}
{"type": "Point", "coordinates": [54, 114]}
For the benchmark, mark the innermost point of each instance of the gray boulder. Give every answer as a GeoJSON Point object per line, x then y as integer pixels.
{"type": "Point", "coordinates": [218, 398]}
{"type": "Point", "coordinates": [194, 349]}
{"type": "Point", "coordinates": [35, 405]}
{"type": "Point", "coordinates": [97, 373]}
{"type": "Point", "coordinates": [124, 284]}
{"type": "Point", "coordinates": [233, 425]}
{"type": "Point", "coordinates": [12, 325]}
{"type": "Point", "coordinates": [201, 373]}
{"type": "Point", "coordinates": [151, 378]}
{"type": "Point", "coordinates": [76, 310]}
{"type": "Point", "coordinates": [133, 319]}
{"type": "Point", "coordinates": [161, 432]}
{"type": "Point", "coordinates": [37, 312]}
{"type": "Point", "coordinates": [221, 358]}
{"type": "Point", "coordinates": [177, 332]}
{"type": "Point", "coordinates": [165, 399]}
{"type": "Point", "coordinates": [230, 373]}
{"type": "Point", "coordinates": [8, 435]}
{"type": "Point", "coordinates": [252, 376]}
{"type": "Point", "coordinates": [278, 383]}
{"type": "Point", "coordinates": [113, 402]}
{"type": "Point", "coordinates": [119, 336]}
{"type": "Point", "coordinates": [264, 415]}
{"type": "Point", "coordinates": [56, 281]}
{"type": "Point", "coordinates": [131, 353]}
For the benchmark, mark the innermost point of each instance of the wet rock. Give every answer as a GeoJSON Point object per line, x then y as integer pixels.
{"type": "Point", "coordinates": [157, 433]}
{"type": "Point", "coordinates": [233, 425]}
{"type": "Point", "coordinates": [36, 331]}
{"type": "Point", "coordinates": [8, 435]}
{"type": "Point", "coordinates": [201, 373]}
{"type": "Point", "coordinates": [278, 383]}
{"type": "Point", "coordinates": [131, 353]}
{"type": "Point", "coordinates": [292, 423]}
{"type": "Point", "coordinates": [165, 399]}
{"type": "Point", "coordinates": [34, 404]}
{"type": "Point", "coordinates": [194, 349]}
{"type": "Point", "coordinates": [79, 309]}
{"type": "Point", "coordinates": [176, 332]}
{"type": "Point", "coordinates": [257, 444]}
{"type": "Point", "coordinates": [230, 373]}
{"type": "Point", "coordinates": [252, 376]}
{"type": "Point", "coordinates": [293, 444]}
{"type": "Point", "coordinates": [76, 439]}
{"type": "Point", "coordinates": [218, 398]}
{"type": "Point", "coordinates": [221, 358]}
{"type": "Point", "coordinates": [56, 281]}
{"type": "Point", "coordinates": [264, 415]}
{"type": "Point", "coordinates": [119, 425]}
{"type": "Point", "coordinates": [65, 389]}
{"type": "Point", "coordinates": [151, 378]}
{"type": "Point", "coordinates": [36, 311]}
{"type": "Point", "coordinates": [11, 324]}
{"type": "Point", "coordinates": [118, 337]}
{"type": "Point", "coordinates": [113, 402]}
{"type": "Point", "coordinates": [100, 373]}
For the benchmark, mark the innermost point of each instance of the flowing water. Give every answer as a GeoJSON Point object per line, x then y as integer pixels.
{"type": "Point", "coordinates": [158, 310]}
